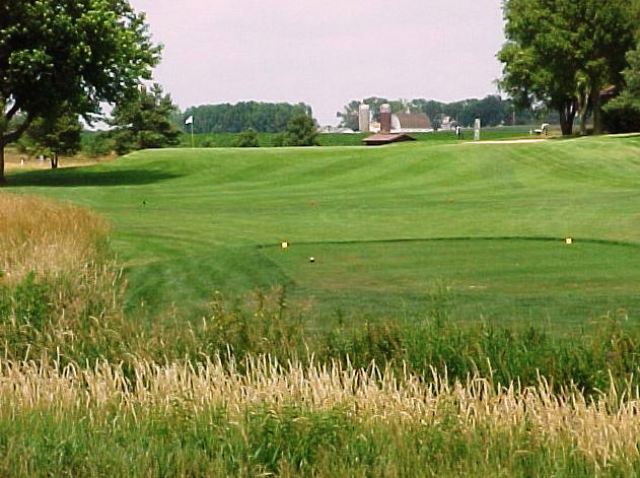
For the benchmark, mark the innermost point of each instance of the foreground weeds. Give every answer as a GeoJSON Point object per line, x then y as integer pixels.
{"type": "Point", "coordinates": [187, 418]}
{"type": "Point", "coordinates": [251, 390]}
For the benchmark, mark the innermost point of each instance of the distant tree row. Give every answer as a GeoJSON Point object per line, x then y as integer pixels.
{"type": "Point", "coordinates": [260, 117]}
{"type": "Point", "coordinates": [492, 111]}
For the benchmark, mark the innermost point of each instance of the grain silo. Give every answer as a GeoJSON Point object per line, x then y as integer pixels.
{"type": "Point", "coordinates": [363, 118]}
{"type": "Point", "coordinates": [385, 118]}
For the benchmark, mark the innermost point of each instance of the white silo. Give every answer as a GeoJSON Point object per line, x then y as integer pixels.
{"type": "Point", "coordinates": [363, 118]}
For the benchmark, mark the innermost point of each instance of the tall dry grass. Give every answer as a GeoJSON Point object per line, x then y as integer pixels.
{"type": "Point", "coordinates": [604, 428]}
{"type": "Point", "coordinates": [49, 238]}
{"type": "Point", "coordinates": [59, 285]}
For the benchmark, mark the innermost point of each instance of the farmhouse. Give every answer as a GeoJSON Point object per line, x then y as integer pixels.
{"type": "Point", "coordinates": [387, 133]}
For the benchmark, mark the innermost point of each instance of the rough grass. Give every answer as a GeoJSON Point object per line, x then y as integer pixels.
{"type": "Point", "coordinates": [87, 391]}
{"type": "Point", "coordinates": [293, 419]}
{"type": "Point", "coordinates": [45, 237]}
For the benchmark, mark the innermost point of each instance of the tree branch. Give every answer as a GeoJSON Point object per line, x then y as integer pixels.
{"type": "Point", "coordinates": [15, 135]}
{"type": "Point", "coordinates": [12, 111]}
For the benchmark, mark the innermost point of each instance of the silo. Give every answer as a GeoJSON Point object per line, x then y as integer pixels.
{"type": "Point", "coordinates": [363, 118]}
{"type": "Point", "coordinates": [385, 118]}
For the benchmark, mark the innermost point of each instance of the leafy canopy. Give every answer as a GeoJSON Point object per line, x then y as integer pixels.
{"type": "Point", "coordinates": [144, 121]}
{"type": "Point", "coordinates": [623, 113]}
{"type": "Point", "coordinates": [562, 52]}
{"type": "Point", "coordinates": [68, 52]}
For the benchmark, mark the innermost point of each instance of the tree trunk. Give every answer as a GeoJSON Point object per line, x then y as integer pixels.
{"type": "Point", "coordinates": [597, 111]}
{"type": "Point", "coordinates": [583, 122]}
{"type": "Point", "coordinates": [54, 161]}
{"type": "Point", "coordinates": [583, 113]}
{"type": "Point", "coordinates": [3, 180]}
{"type": "Point", "coordinates": [567, 115]}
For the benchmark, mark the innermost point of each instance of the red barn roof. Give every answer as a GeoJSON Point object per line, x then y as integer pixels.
{"type": "Point", "coordinates": [382, 138]}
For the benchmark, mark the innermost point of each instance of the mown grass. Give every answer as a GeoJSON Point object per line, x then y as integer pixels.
{"type": "Point", "coordinates": [71, 307]}
{"type": "Point", "coordinates": [266, 140]}
{"type": "Point", "coordinates": [186, 223]}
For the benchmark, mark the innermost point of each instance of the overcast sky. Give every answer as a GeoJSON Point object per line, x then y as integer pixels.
{"type": "Point", "coordinates": [325, 53]}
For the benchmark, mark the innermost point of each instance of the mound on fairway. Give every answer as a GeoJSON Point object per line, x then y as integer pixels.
{"type": "Point", "coordinates": [188, 222]}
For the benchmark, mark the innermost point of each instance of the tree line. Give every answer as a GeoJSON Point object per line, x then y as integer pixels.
{"type": "Point", "coordinates": [492, 110]}
{"type": "Point", "coordinates": [61, 59]}
{"type": "Point", "coordinates": [250, 115]}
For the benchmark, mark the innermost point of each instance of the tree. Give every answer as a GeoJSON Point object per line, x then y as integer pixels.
{"type": "Point", "coordinates": [350, 115]}
{"type": "Point", "coordinates": [247, 139]}
{"type": "Point", "coordinates": [622, 114]}
{"type": "Point", "coordinates": [97, 143]}
{"type": "Point", "coordinates": [144, 121]}
{"type": "Point", "coordinates": [562, 52]}
{"type": "Point", "coordinates": [262, 117]}
{"type": "Point", "coordinates": [301, 131]}
{"type": "Point", "coordinates": [54, 136]}
{"type": "Point", "coordinates": [64, 52]}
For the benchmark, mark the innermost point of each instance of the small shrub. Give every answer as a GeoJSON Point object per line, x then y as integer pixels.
{"type": "Point", "coordinates": [622, 115]}
{"type": "Point", "coordinates": [247, 139]}
{"type": "Point", "coordinates": [97, 144]}
{"type": "Point", "coordinates": [301, 131]}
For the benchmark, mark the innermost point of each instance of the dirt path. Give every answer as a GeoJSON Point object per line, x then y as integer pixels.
{"type": "Point", "coordinates": [511, 141]}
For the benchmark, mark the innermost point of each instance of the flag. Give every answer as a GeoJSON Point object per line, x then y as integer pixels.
{"type": "Point", "coordinates": [189, 120]}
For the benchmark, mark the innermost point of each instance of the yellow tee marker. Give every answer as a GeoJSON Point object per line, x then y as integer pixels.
{"type": "Point", "coordinates": [568, 241]}
{"type": "Point", "coordinates": [284, 245]}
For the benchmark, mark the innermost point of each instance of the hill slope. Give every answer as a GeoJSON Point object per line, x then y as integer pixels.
{"type": "Point", "coordinates": [188, 222]}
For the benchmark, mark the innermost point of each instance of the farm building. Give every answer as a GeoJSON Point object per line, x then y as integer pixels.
{"type": "Point", "coordinates": [387, 134]}
{"type": "Point", "coordinates": [410, 123]}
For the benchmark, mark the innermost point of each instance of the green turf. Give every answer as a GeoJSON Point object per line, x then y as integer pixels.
{"type": "Point", "coordinates": [188, 222]}
{"type": "Point", "coordinates": [228, 140]}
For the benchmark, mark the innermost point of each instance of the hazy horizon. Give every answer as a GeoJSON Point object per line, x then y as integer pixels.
{"type": "Point", "coordinates": [325, 54]}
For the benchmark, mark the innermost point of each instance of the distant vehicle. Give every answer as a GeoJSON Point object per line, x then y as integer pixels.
{"type": "Point", "coordinates": [544, 129]}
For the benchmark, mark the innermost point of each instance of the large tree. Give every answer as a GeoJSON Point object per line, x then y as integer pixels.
{"type": "Point", "coordinates": [67, 52]}
{"type": "Point", "coordinates": [145, 121]}
{"type": "Point", "coordinates": [563, 52]}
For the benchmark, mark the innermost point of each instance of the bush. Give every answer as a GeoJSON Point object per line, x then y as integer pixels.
{"type": "Point", "coordinates": [622, 115]}
{"type": "Point", "coordinates": [247, 139]}
{"type": "Point", "coordinates": [301, 131]}
{"type": "Point", "coordinates": [97, 144]}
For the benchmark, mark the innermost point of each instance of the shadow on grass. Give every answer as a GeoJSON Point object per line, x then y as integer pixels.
{"type": "Point", "coordinates": [75, 177]}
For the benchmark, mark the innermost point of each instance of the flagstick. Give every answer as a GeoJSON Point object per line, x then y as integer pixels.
{"type": "Point", "coordinates": [192, 143]}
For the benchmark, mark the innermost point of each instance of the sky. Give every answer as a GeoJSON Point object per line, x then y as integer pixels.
{"type": "Point", "coordinates": [325, 53]}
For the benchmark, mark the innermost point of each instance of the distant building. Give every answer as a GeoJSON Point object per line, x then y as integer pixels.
{"type": "Point", "coordinates": [386, 134]}
{"type": "Point", "coordinates": [411, 123]}
{"type": "Point", "coordinates": [380, 139]}
{"type": "Point", "coordinates": [364, 118]}
{"type": "Point", "coordinates": [448, 123]}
